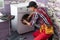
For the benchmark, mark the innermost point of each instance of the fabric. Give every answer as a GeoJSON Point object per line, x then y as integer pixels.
{"type": "Point", "coordinates": [46, 16]}
{"type": "Point", "coordinates": [40, 36]}
{"type": "Point", "coordinates": [46, 29]}
{"type": "Point", "coordinates": [39, 19]}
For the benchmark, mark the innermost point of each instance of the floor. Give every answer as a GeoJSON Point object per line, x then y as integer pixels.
{"type": "Point", "coordinates": [27, 36]}
{"type": "Point", "coordinates": [16, 36]}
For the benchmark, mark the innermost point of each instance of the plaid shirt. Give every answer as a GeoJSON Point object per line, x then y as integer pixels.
{"type": "Point", "coordinates": [39, 19]}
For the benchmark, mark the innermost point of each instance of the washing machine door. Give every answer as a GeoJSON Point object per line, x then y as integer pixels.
{"type": "Point", "coordinates": [21, 28]}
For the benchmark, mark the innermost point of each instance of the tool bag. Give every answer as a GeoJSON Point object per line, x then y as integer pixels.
{"type": "Point", "coordinates": [47, 29]}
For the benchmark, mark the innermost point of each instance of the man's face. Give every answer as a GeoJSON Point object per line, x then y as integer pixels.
{"type": "Point", "coordinates": [31, 9]}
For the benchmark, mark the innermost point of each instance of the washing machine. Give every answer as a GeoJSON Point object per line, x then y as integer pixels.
{"type": "Point", "coordinates": [18, 10]}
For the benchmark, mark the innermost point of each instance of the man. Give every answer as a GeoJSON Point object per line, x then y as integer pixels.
{"type": "Point", "coordinates": [38, 17]}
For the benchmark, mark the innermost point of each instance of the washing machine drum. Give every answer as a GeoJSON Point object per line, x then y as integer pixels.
{"type": "Point", "coordinates": [25, 17]}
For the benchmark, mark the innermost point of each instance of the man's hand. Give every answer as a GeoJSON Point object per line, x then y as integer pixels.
{"type": "Point", "coordinates": [26, 22]}
{"type": "Point", "coordinates": [29, 16]}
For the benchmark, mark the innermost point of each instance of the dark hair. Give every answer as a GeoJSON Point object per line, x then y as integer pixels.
{"type": "Point", "coordinates": [35, 6]}
{"type": "Point", "coordinates": [32, 4]}
{"type": "Point", "coordinates": [25, 16]}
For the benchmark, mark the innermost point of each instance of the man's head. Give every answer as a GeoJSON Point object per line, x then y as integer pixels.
{"type": "Point", "coordinates": [32, 5]}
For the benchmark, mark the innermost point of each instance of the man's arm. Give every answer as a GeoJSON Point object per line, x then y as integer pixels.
{"type": "Point", "coordinates": [30, 16]}
{"type": "Point", "coordinates": [26, 22]}
{"type": "Point", "coordinates": [33, 20]}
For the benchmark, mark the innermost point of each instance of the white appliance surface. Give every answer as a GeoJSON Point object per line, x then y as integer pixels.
{"type": "Point", "coordinates": [18, 10]}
